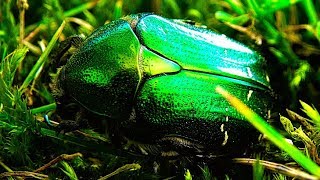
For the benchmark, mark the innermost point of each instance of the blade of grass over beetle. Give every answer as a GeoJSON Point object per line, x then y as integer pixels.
{"type": "Point", "coordinates": [275, 137]}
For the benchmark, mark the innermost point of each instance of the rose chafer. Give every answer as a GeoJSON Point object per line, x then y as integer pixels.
{"type": "Point", "coordinates": [157, 78]}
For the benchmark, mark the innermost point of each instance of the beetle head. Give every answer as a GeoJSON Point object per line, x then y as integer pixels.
{"type": "Point", "coordinates": [103, 74]}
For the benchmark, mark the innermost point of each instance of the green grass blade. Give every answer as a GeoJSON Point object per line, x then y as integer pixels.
{"type": "Point", "coordinates": [127, 167]}
{"type": "Point", "coordinates": [310, 11]}
{"type": "Point", "coordinates": [45, 108]}
{"type": "Point", "coordinates": [42, 58]}
{"type": "Point", "coordinates": [68, 170]}
{"type": "Point", "coordinates": [275, 137]}
{"type": "Point", "coordinates": [311, 112]}
{"type": "Point", "coordinates": [79, 9]}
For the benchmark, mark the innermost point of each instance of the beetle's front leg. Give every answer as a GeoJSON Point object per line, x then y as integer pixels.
{"type": "Point", "coordinates": [66, 109]}
{"type": "Point", "coordinates": [65, 49]}
{"type": "Point", "coordinates": [78, 121]}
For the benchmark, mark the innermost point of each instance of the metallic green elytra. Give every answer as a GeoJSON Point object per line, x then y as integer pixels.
{"type": "Point", "coordinates": [164, 72]}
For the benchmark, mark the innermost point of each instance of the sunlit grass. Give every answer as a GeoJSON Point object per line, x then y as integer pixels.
{"type": "Point", "coordinates": [271, 134]}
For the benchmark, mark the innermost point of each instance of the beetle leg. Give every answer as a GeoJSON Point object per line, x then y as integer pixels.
{"type": "Point", "coordinates": [65, 49]}
{"type": "Point", "coordinates": [180, 145]}
{"type": "Point", "coordinates": [71, 117]}
{"type": "Point", "coordinates": [65, 108]}
{"type": "Point", "coordinates": [59, 57]}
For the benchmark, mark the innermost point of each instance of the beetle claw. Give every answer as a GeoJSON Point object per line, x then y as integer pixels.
{"type": "Point", "coordinates": [67, 126]}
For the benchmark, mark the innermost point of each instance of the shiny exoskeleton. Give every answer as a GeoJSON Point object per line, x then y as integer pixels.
{"type": "Point", "coordinates": [161, 74]}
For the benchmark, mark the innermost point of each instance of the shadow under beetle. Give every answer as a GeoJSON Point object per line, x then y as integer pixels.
{"type": "Point", "coordinates": [155, 79]}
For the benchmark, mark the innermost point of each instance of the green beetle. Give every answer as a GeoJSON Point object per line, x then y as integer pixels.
{"type": "Point", "coordinates": [156, 77]}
